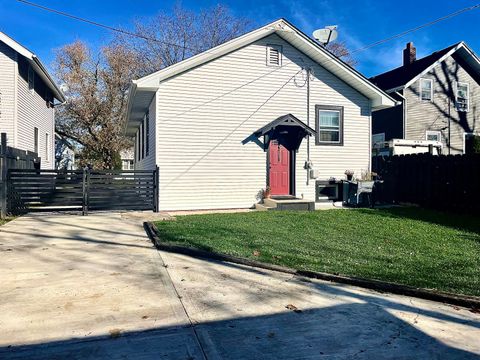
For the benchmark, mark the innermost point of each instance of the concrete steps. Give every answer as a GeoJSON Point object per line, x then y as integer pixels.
{"type": "Point", "coordinates": [286, 203]}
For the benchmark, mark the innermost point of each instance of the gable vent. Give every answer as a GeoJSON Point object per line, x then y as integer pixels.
{"type": "Point", "coordinates": [274, 55]}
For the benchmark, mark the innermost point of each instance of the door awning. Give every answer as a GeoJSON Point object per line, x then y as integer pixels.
{"type": "Point", "coordinates": [288, 130]}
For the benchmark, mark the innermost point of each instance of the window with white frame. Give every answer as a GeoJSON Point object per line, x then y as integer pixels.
{"type": "Point", "coordinates": [432, 135]}
{"type": "Point", "coordinates": [31, 79]}
{"type": "Point", "coordinates": [127, 164]}
{"type": "Point", "coordinates": [274, 55]}
{"type": "Point", "coordinates": [462, 96]}
{"type": "Point", "coordinates": [329, 125]}
{"type": "Point", "coordinates": [426, 89]}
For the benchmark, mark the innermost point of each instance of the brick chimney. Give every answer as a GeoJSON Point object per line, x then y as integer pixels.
{"type": "Point", "coordinates": [409, 54]}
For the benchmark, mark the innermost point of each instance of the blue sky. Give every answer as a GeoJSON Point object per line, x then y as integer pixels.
{"type": "Point", "coordinates": [360, 22]}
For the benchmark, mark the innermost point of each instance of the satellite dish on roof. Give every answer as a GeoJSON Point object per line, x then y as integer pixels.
{"type": "Point", "coordinates": [327, 34]}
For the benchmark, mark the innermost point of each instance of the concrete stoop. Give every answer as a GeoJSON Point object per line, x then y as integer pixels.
{"type": "Point", "coordinates": [286, 203]}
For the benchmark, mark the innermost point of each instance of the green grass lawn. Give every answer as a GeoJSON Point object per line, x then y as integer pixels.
{"type": "Point", "coordinates": [408, 246]}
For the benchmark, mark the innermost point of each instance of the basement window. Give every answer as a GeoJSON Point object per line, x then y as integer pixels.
{"type": "Point", "coordinates": [433, 135]}
{"type": "Point", "coordinates": [274, 55]}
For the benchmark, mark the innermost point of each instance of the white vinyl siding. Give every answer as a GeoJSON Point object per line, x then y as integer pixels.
{"type": "Point", "coordinates": [205, 150]}
{"type": "Point", "coordinates": [32, 111]}
{"type": "Point", "coordinates": [7, 92]}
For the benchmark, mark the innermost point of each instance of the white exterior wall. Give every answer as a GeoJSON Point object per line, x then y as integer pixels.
{"type": "Point", "coordinates": [32, 111]}
{"type": "Point", "coordinates": [203, 163]}
{"type": "Point", "coordinates": [21, 109]}
{"type": "Point", "coordinates": [8, 70]}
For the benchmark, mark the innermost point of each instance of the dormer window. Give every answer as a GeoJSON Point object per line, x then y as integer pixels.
{"type": "Point", "coordinates": [426, 89]}
{"type": "Point", "coordinates": [274, 55]}
{"type": "Point", "coordinates": [462, 96]}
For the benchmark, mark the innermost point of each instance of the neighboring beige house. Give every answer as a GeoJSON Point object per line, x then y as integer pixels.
{"type": "Point", "coordinates": [230, 121]}
{"type": "Point", "coordinates": [27, 97]}
{"type": "Point", "coordinates": [128, 163]}
{"type": "Point", "coordinates": [439, 97]}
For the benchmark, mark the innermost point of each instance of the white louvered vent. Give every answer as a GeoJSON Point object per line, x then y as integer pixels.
{"type": "Point", "coordinates": [274, 55]}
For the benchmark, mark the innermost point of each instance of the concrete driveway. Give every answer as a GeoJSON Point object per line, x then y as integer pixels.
{"type": "Point", "coordinates": [74, 287]}
{"type": "Point", "coordinates": [93, 287]}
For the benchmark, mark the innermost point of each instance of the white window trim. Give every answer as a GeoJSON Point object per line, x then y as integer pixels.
{"type": "Point", "coordinates": [433, 132]}
{"type": "Point", "coordinates": [468, 95]}
{"type": "Point", "coordinates": [47, 147]}
{"type": "Point", "coordinates": [431, 89]}
{"type": "Point", "coordinates": [279, 48]}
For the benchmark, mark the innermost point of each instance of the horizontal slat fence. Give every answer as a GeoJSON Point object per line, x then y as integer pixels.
{"type": "Point", "coordinates": [121, 190]}
{"type": "Point", "coordinates": [444, 182]}
{"type": "Point", "coordinates": [57, 190]}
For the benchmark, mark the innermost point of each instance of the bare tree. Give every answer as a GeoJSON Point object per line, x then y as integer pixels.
{"type": "Point", "coordinates": [96, 88]}
{"type": "Point", "coordinates": [97, 85]}
{"type": "Point", "coordinates": [340, 50]}
{"type": "Point", "coordinates": [166, 39]}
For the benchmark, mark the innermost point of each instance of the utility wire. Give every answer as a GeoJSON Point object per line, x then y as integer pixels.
{"type": "Point", "coordinates": [233, 130]}
{"type": "Point", "coordinates": [147, 38]}
{"type": "Point", "coordinates": [451, 15]}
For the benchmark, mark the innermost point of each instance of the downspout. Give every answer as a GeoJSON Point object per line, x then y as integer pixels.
{"type": "Point", "coordinates": [308, 124]}
{"type": "Point", "coordinates": [404, 110]}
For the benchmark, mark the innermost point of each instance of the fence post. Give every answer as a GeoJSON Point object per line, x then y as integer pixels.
{"type": "Point", "coordinates": [85, 181]}
{"type": "Point", "coordinates": [3, 170]}
{"type": "Point", "coordinates": [157, 191]}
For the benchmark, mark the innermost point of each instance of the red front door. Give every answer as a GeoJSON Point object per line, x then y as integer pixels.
{"type": "Point", "coordinates": [279, 173]}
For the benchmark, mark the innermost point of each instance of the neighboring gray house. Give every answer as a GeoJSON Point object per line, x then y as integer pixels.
{"type": "Point", "coordinates": [64, 154]}
{"type": "Point", "coordinates": [27, 96]}
{"type": "Point", "coordinates": [230, 121]}
{"type": "Point", "coordinates": [439, 97]}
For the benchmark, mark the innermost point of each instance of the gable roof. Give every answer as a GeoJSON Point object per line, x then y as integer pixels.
{"type": "Point", "coordinates": [36, 64]}
{"type": "Point", "coordinates": [285, 30]}
{"type": "Point", "coordinates": [285, 120]}
{"type": "Point", "coordinates": [404, 76]}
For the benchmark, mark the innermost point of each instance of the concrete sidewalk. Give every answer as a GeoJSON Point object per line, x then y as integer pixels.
{"type": "Point", "coordinates": [75, 287]}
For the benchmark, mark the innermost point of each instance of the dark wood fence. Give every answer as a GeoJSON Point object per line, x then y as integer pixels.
{"type": "Point", "coordinates": [445, 182]}
{"type": "Point", "coordinates": [83, 190]}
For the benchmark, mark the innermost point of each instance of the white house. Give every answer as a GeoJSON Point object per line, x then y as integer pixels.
{"type": "Point", "coordinates": [27, 96]}
{"type": "Point", "coordinates": [230, 121]}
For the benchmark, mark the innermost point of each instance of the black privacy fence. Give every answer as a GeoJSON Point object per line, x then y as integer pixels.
{"type": "Point", "coordinates": [444, 182]}
{"type": "Point", "coordinates": [84, 190]}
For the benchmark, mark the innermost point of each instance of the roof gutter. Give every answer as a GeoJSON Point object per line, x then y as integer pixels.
{"type": "Point", "coordinates": [58, 93]}
{"type": "Point", "coordinates": [131, 93]}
